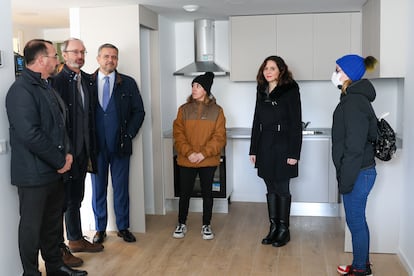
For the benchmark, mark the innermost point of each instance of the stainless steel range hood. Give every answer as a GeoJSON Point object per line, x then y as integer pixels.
{"type": "Point", "coordinates": [204, 51]}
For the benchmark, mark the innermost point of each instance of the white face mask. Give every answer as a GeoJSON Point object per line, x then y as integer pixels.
{"type": "Point", "coordinates": [336, 79]}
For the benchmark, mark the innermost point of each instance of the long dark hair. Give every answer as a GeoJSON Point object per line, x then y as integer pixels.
{"type": "Point", "coordinates": [285, 76]}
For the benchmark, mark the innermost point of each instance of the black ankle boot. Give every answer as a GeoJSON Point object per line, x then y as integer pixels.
{"type": "Point", "coordinates": [271, 207]}
{"type": "Point", "coordinates": [271, 237]}
{"type": "Point", "coordinates": [283, 235]}
{"type": "Point", "coordinates": [283, 209]}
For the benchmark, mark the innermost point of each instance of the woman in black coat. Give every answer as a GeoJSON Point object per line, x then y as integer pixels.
{"type": "Point", "coordinates": [276, 142]}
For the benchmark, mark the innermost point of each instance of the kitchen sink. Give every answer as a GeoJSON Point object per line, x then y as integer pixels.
{"type": "Point", "coordinates": [312, 132]}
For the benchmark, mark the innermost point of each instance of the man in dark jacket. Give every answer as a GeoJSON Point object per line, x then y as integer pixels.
{"type": "Point", "coordinates": [119, 117]}
{"type": "Point", "coordinates": [75, 88]}
{"type": "Point", "coordinates": [39, 158]}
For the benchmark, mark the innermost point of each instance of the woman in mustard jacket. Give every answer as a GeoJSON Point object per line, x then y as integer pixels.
{"type": "Point", "coordinates": [199, 137]}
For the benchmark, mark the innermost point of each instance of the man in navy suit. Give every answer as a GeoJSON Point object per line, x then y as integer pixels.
{"type": "Point", "coordinates": [119, 117]}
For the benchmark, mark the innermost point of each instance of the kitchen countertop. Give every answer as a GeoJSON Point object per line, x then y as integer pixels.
{"type": "Point", "coordinates": [244, 133]}
{"type": "Point", "coordinates": [308, 133]}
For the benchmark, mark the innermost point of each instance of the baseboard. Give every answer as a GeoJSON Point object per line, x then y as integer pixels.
{"type": "Point", "coordinates": [315, 209]}
{"type": "Point", "coordinates": [221, 205]}
{"type": "Point", "coordinates": [405, 262]}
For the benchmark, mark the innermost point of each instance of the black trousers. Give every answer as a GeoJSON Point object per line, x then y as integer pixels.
{"type": "Point", "coordinates": [279, 187]}
{"type": "Point", "coordinates": [74, 194]}
{"type": "Point", "coordinates": [187, 180]}
{"type": "Point", "coordinates": [39, 227]}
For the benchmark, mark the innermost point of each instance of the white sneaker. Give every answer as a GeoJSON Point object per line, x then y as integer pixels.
{"type": "Point", "coordinates": [207, 232]}
{"type": "Point", "coordinates": [180, 231]}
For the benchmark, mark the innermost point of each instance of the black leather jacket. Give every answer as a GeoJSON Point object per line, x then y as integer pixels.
{"type": "Point", "coordinates": [37, 131]}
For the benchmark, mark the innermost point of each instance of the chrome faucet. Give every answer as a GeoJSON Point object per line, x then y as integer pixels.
{"type": "Point", "coordinates": [305, 125]}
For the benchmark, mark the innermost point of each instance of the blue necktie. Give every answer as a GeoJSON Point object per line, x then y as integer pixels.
{"type": "Point", "coordinates": [105, 96]}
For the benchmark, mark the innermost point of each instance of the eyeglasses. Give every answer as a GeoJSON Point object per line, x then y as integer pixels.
{"type": "Point", "coordinates": [55, 56]}
{"type": "Point", "coordinates": [76, 52]}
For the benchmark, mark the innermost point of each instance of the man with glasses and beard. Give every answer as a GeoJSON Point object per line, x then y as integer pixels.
{"type": "Point", "coordinates": [75, 88]}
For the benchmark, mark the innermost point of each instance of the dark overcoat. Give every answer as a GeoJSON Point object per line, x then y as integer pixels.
{"type": "Point", "coordinates": [277, 131]}
{"type": "Point", "coordinates": [65, 84]}
{"type": "Point", "coordinates": [38, 137]}
{"type": "Point", "coordinates": [117, 136]}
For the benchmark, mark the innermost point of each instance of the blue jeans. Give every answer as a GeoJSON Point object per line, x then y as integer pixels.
{"type": "Point", "coordinates": [355, 203]}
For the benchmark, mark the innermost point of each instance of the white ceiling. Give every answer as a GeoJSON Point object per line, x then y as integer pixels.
{"type": "Point", "coordinates": [55, 13]}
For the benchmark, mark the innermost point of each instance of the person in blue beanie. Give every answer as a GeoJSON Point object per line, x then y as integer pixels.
{"type": "Point", "coordinates": [354, 129]}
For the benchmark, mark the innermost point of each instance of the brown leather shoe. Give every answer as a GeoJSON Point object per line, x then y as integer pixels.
{"type": "Point", "coordinates": [69, 259]}
{"type": "Point", "coordinates": [83, 245]}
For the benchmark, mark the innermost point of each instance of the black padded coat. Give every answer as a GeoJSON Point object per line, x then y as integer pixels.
{"type": "Point", "coordinates": [354, 129]}
{"type": "Point", "coordinates": [277, 132]}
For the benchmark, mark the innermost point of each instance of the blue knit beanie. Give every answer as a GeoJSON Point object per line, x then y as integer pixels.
{"type": "Point", "coordinates": [353, 66]}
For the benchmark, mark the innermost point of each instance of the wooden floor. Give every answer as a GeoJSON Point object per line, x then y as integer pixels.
{"type": "Point", "coordinates": [316, 248]}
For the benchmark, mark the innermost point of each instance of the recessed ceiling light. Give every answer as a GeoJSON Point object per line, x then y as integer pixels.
{"type": "Point", "coordinates": [190, 8]}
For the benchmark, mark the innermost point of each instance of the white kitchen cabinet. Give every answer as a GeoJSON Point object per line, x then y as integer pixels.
{"type": "Point", "coordinates": [316, 182]}
{"type": "Point", "coordinates": [253, 38]}
{"type": "Point", "coordinates": [295, 43]}
{"type": "Point", "coordinates": [384, 29]}
{"type": "Point", "coordinates": [309, 43]}
{"type": "Point", "coordinates": [313, 183]}
{"type": "Point", "coordinates": [334, 35]}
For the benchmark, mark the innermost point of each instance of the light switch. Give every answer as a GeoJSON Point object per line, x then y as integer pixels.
{"type": "Point", "coordinates": [3, 146]}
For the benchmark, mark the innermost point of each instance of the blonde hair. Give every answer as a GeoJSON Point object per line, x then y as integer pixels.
{"type": "Point", "coordinates": [370, 63]}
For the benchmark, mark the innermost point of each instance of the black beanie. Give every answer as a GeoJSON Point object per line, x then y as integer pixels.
{"type": "Point", "coordinates": [205, 81]}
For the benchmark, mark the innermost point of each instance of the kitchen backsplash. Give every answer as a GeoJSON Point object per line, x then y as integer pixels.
{"type": "Point", "coordinates": [319, 99]}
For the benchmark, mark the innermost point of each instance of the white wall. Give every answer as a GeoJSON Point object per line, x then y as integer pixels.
{"type": "Point", "coordinates": [121, 28]}
{"type": "Point", "coordinates": [22, 34]}
{"type": "Point", "coordinates": [168, 83]}
{"type": "Point", "coordinates": [319, 98]}
{"type": "Point", "coordinates": [25, 33]}
{"type": "Point", "coordinates": [406, 243]}
{"type": "Point", "coordinates": [9, 216]}
{"type": "Point", "coordinates": [146, 89]}
{"type": "Point", "coordinates": [56, 35]}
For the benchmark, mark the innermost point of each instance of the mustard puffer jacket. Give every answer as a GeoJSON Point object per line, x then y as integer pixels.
{"type": "Point", "coordinates": [199, 127]}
